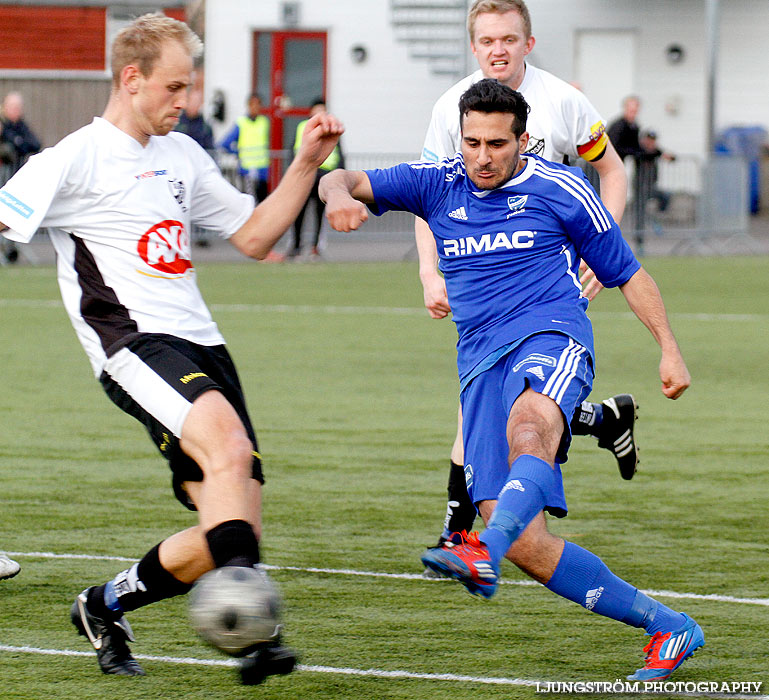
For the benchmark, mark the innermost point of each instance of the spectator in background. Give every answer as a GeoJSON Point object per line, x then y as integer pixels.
{"type": "Point", "coordinates": [17, 143]}
{"type": "Point", "coordinates": [648, 171]}
{"type": "Point", "coordinates": [334, 161]}
{"type": "Point", "coordinates": [249, 139]}
{"type": "Point", "coordinates": [624, 133]}
{"type": "Point", "coordinates": [192, 122]}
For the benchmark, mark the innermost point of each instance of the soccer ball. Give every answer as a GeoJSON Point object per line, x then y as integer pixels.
{"type": "Point", "coordinates": [235, 608]}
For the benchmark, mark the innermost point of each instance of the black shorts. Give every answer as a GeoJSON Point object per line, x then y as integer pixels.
{"type": "Point", "coordinates": [156, 377]}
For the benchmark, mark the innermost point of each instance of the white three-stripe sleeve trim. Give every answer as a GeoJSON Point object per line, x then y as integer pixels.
{"type": "Point", "coordinates": [579, 192]}
{"type": "Point", "coordinates": [581, 185]}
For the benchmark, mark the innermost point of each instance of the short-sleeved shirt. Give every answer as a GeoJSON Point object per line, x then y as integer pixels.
{"type": "Point", "coordinates": [562, 121]}
{"type": "Point", "coordinates": [510, 256]}
{"type": "Point", "coordinates": [119, 216]}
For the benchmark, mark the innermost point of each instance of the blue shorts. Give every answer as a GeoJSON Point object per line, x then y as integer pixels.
{"type": "Point", "coordinates": [551, 364]}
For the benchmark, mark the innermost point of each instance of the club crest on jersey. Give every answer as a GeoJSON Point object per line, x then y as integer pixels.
{"type": "Point", "coordinates": [178, 191]}
{"type": "Point", "coordinates": [536, 146]}
{"type": "Point", "coordinates": [517, 203]}
{"type": "Point", "coordinates": [165, 247]}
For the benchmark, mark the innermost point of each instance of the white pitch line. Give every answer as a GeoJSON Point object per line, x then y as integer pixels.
{"type": "Point", "coordinates": [717, 597]}
{"type": "Point", "coordinates": [397, 311]}
{"type": "Point", "coordinates": [375, 672]}
{"type": "Point", "coordinates": [369, 672]}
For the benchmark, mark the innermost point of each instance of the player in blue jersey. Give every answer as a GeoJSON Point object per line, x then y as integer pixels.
{"type": "Point", "coordinates": [510, 231]}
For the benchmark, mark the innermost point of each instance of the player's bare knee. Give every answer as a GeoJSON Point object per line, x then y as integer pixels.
{"type": "Point", "coordinates": [231, 459]}
{"type": "Point", "coordinates": [526, 437]}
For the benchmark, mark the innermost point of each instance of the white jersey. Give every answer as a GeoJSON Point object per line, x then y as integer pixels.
{"type": "Point", "coordinates": [119, 216]}
{"type": "Point", "coordinates": [562, 122]}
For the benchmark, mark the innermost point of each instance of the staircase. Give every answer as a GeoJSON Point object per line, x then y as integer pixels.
{"type": "Point", "coordinates": [434, 31]}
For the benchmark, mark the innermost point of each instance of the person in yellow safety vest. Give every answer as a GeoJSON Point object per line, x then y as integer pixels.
{"type": "Point", "coordinates": [249, 139]}
{"type": "Point", "coordinates": [334, 161]}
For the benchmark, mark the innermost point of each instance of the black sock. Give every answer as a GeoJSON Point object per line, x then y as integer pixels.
{"type": "Point", "coordinates": [460, 513]}
{"type": "Point", "coordinates": [142, 584]}
{"type": "Point", "coordinates": [233, 543]}
{"type": "Point", "coordinates": [587, 419]}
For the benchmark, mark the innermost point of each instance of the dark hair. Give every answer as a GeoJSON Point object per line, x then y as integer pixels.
{"type": "Point", "coordinates": [318, 101]}
{"type": "Point", "coordinates": [489, 95]}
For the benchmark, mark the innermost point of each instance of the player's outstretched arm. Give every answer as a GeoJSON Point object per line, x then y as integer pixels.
{"type": "Point", "coordinates": [274, 215]}
{"type": "Point", "coordinates": [343, 191]}
{"type": "Point", "coordinates": [433, 284]}
{"type": "Point", "coordinates": [645, 300]}
{"type": "Point", "coordinates": [613, 178]}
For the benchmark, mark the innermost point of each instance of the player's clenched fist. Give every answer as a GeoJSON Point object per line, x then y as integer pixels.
{"type": "Point", "coordinates": [345, 213]}
{"type": "Point", "coordinates": [344, 192]}
{"type": "Point", "coordinates": [321, 135]}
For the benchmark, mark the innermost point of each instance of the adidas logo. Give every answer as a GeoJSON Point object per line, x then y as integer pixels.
{"type": "Point", "coordinates": [592, 596]}
{"type": "Point", "coordinates": [459, 214]}
{"type": "Point", "coordinates": [485, 571]}
{"type": "Point", "coordinates": [512, 484]}
{"type": "Point", "coordinates": [537, 372]}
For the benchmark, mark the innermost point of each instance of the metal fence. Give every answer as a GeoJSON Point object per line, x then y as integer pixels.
{"type": "Point", "coordinates": [694, 204]}
{"type": "Point", "coordinates": [394, 223]}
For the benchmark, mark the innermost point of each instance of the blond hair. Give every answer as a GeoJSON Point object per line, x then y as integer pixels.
{"type": "Point", "coordinates": [141, 42]}
{"type": "Point", "coordinates": [499, 7]}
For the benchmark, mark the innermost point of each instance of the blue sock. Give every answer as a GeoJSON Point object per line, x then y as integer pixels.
{"type": "Point", "coordinates": [523, 496]}
{"type": "Point", "coordinates": [110, 598]}
{"type": "Point", "coordinates": [583, 578]}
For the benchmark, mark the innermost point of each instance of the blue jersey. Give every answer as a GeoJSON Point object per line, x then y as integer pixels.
{"type": "Point", "coordinates": [510, 256]}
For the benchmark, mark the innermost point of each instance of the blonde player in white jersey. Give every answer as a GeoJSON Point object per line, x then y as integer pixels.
{"type": "Point", "coordinates": [119, 198]}
{"type": "Point", "coordinates": [562, 124]}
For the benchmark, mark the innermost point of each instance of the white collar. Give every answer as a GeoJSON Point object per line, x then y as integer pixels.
{"type": "Point", "coordinates": [523, 174]}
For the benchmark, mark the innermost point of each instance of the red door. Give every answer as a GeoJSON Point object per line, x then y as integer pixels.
{"type": "Point", "coordinates": [289, 73]}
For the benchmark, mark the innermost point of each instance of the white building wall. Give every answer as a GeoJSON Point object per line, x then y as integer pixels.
{"type": "Point", "coordinates": [672, 96]}
{"type": "Point", "coordinates": [743, 80]}
{"type": "Point", "coordinates": [385, 102]}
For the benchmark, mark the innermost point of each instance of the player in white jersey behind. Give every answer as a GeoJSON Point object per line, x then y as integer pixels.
{"type": "Point", "coordinates": [525, 350]}
{"type": "Point", "coordinates": [119, 198]}
{"type": "Point", "coordinates": [562, 125]}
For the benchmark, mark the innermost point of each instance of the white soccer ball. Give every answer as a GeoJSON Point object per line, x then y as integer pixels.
{"type": "Point", "coordinates": [234, 608]}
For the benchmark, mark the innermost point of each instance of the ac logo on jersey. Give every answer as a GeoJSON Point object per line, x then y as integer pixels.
{"type": "Point", "coordinates": [166, 248]}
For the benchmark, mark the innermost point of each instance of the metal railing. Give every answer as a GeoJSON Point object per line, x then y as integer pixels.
{"type": "Point", "coordinates": [394, 223]}
{"type": "Point", "coordinates": [692, 204]}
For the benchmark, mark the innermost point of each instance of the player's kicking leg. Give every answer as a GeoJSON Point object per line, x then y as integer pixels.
{"type": "Point", "coordinates": [211, 448]}
{"type": "Point", "coordinates": [612, 422]}
{"type": "Point", "coordinates": [516, 530]}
